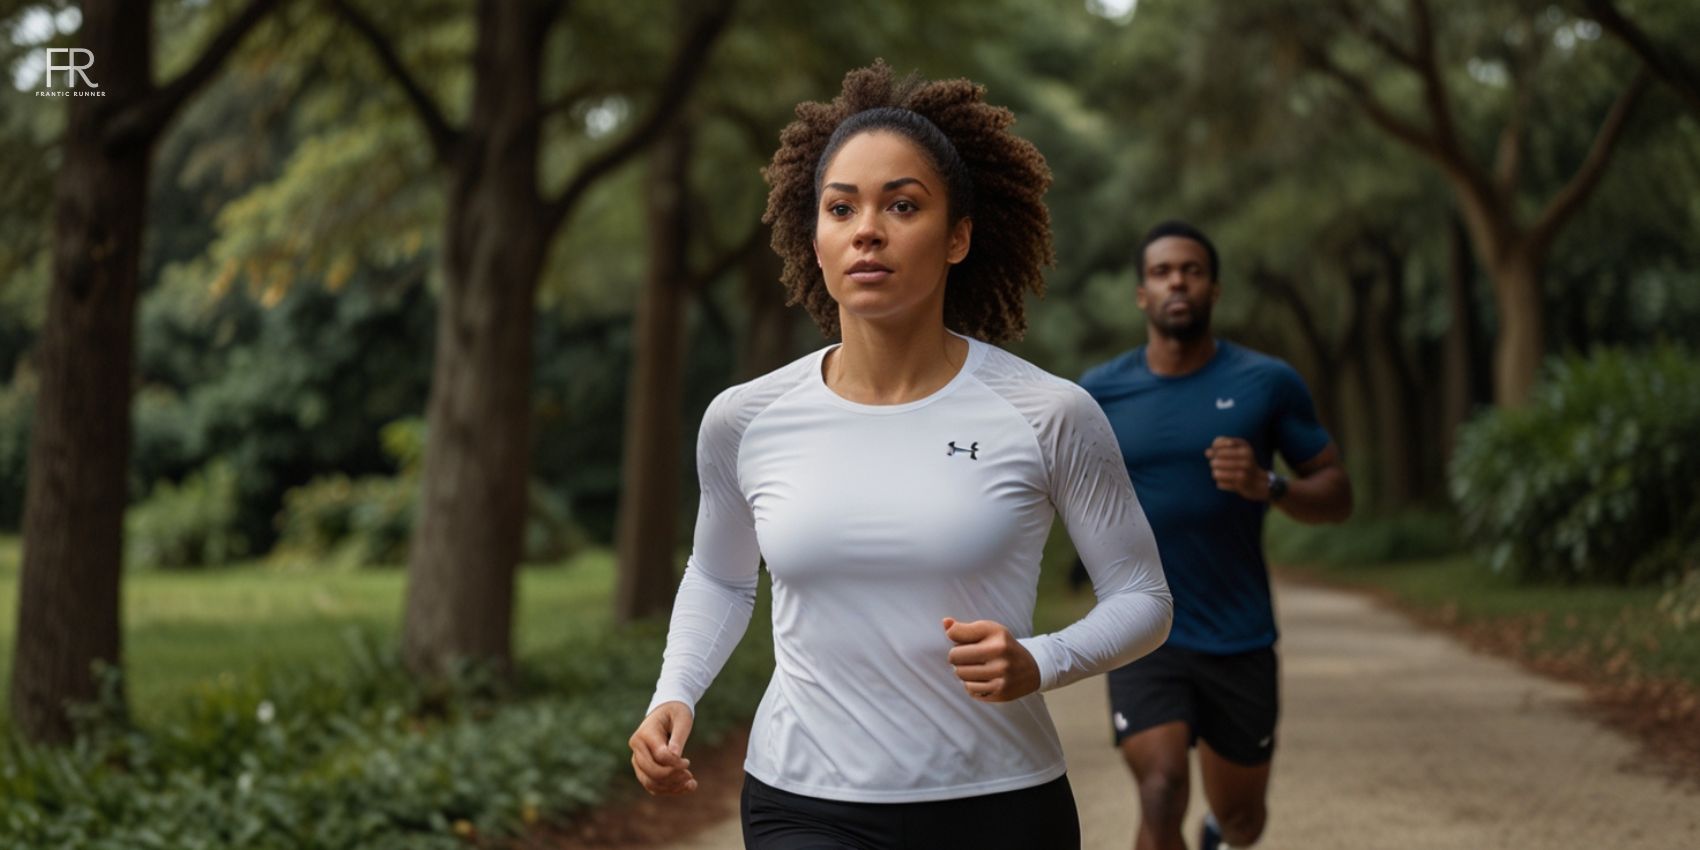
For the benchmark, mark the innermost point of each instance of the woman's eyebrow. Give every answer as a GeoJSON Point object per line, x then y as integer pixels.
{"type": "Point", "coordinates": [851, 188]}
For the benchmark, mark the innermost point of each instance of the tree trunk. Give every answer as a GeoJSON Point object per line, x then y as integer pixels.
{"type": "Point", "coordinates": [68, 595]}
{"type": "Point", "coordinates": [1521, 342]}
{"type": "Point", "coordinates": [1325, 363]}
{"type": "Point", "coordinates": [1461, 385]}
{"type": "Point", "coordinates": [468, 537]}
{"type": "Point", "coordinates": [649, 493]}
{"type": "Point", "coordinates": [1407, 440]}
{"type": "Point", "coordinates": [1363, 364]}
{"type": "Point", "coordinates": [770, 339]}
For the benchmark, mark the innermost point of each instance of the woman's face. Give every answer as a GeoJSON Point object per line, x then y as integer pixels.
{"type": "Point", "coordinates": [883, 235]}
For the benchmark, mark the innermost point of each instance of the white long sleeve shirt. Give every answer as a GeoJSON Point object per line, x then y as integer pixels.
{"type": "Point", "coordinates": [878, 521]}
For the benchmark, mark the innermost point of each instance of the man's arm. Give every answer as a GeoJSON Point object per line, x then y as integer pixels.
{"type": "Point", "coordinates": [1321, 492]}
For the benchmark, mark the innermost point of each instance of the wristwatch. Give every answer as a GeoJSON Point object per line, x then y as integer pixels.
{"type": "Point", "coordinates": [1277, 486]}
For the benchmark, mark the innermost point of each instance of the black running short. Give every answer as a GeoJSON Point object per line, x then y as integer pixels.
{"type": "Point", "coordinates": [1039, 817]}
{"type": "Point", "coordinates": [1231, 701]}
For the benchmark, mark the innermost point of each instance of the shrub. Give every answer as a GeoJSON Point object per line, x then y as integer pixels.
{"type": "Point", "coordinates": [191, 524]}
{"type": "Point", "coordinates": [1681, 603]}
{"type": "Point", "coordinates": [1597, 479]}
{"type": "Point", "coordinates": [367, 521]}
{"type": "Point", "coordinates": [364, 759]}
{"type": "Point", "coordinates": [1408, 536]}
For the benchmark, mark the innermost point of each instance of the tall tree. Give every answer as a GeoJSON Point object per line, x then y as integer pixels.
{"type": "Point", "coordinates": [68, 597]}
{"type": "Point", "coordinates": [497, 231]}
{"type": "Point", "coordinates": [1512, 245]}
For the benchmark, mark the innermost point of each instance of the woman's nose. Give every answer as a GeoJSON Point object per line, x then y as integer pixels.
{"type": "Point", "coordinates": [869, 233]}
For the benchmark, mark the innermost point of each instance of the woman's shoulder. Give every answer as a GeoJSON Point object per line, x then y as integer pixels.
{"type": "Point", "coordinates": [1038, 394]}
{"type": "Point", "coordinates": [734, 408]}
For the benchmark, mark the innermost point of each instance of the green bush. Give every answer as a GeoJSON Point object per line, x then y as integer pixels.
{"type": "Point", "coordinates": [1597, 479]}
{"type": "Point", "coordinates": [364, 759]}
{"type": "Point", "coordinates": [191, 524]}
{"type": "Point", "coordinates": [1408, 536]}
{"type": "Point", "coordinates": [367, 521]}
{"type": "Point", "coordinates": [1681, 602]}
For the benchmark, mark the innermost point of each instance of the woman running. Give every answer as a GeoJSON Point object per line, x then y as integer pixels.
{"type": "Point", "coordinates": [900, 486]}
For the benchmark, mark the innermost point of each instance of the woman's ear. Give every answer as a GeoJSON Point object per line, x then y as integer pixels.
{"type": "Point", "coordinates": [961, 234]}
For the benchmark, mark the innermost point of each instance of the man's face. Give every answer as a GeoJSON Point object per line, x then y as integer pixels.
{"type": "Point", "coordinates": [1177, 291]}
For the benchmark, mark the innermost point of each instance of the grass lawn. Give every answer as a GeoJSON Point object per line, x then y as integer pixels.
{"type": "Point", "coordinates": [1619, 630]}
{"type": "Point", "coordinates": [182, 628]}
{"type": "Point", "coordinates": [188, 627]}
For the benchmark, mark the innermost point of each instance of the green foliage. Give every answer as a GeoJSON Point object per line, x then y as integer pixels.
{"type": "Point", "coordinates": [1362, 541]}
{"type": "Point", "coordinates": [1598, 479]}
{"type": "Point", "coordinates": [190, 524]}
{"type": "Point", "coordinates": [363, 758]}
{"type": "Point", "coordinates": [285, 390]}
{"type": "Point", "coordinates": [367, 521]}
{"type": "Point", "coordinates": [1681, 603]}
{"type": "Point", "coordinates": [342, 521]}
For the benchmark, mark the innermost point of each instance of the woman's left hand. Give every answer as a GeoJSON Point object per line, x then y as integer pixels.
{"type": "Point", "coordinates": [992, 664]}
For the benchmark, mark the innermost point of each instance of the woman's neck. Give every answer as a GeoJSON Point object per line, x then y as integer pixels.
{"type": "Point", "coordinates": [893, 363]}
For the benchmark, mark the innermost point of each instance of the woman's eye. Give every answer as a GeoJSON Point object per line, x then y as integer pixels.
{"type": "Point", "coordinates": [839, 210]}
{"type": "Point", "coordinates": [904, 206]}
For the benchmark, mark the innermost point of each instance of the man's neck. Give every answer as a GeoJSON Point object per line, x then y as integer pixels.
{"type": "Point", "coordinates": [1168, 356]}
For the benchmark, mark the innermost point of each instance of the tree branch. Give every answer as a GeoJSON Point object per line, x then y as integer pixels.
{"type": "Point", "coordinates": [445, 139]}
{"type": "Point", "coordinates": [728, 259]}
{"type": "Point", "coordinates": [1378, 112]}
{"type": "Point", "coordinates": [1434, 88]}
{"type": "Point", "coordinates": [143, 122]}
{"type": "Point", "coordinates": [681, 78]}
{"type": "Point", "coordinates": [1587, 176]}
{"type": "Point", "coordinates": [565, 100]}
{"type": "Point", "coordinates": [1508, 159]}
{"type": "Point", "coordinates": [1377, 36]}
{"type": "Point", "coordinates": [1668, 67]}
{"type": "Point", "coordinates": [1282, 289]}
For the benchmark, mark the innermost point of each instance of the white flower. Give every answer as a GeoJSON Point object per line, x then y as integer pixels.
{"type": "Point", "coordinates": [265, 712]}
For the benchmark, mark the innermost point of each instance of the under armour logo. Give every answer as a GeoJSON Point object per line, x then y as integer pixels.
{"type": "Point", "coordinates": [1224, 403]}
{"type": "Point", "coordinates": [973, 450]}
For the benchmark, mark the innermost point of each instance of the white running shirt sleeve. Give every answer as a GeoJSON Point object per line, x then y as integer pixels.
{"type": "Point", "coordinates": [876, 522]}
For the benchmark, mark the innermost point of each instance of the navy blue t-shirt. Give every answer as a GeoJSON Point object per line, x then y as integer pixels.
{"type": "Point", "coordinates": [1211, 540]}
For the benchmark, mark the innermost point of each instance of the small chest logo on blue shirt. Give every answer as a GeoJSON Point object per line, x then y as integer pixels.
{"type": "Point", "coordinates": [973, 450]}
{"type": "Point", "coordinates": [1224, 404]}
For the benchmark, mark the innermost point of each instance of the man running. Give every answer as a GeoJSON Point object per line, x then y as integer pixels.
{"type": "Point", "coordinates": [1199, 421]}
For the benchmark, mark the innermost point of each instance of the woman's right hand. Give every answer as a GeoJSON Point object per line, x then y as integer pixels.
{"type": "Point", "coordinates": [658, 750]}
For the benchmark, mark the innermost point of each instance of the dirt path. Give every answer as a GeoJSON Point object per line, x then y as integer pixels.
{"type": "Point", "coordinates": [1394, 737]}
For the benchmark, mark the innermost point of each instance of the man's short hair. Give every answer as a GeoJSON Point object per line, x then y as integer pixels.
{"type": "Point", "coordinates": [1176, 227]}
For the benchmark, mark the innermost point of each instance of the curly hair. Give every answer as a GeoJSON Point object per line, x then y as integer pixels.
{"type": "Point", "coordinates": [1006, 182]}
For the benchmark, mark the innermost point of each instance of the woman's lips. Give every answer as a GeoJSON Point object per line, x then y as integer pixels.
{"type": "Point", "coordinates": [870, 275]}
{"type": "Point", "coordinates": [867, 271]}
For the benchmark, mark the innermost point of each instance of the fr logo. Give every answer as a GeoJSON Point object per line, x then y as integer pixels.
{"type": "Point", "coordinates": [79, 60]}
{"type": "Point", "coordinates": [1224, 404]}
{"type": "Point", "coordinates": [973, 450]}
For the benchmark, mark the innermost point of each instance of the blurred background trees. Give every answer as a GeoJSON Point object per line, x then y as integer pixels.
{"type": "Point", "coordinates": [449, 284]}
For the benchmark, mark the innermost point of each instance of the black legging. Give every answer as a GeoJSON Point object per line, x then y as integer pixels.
{"type": "Point", "coordinates": [1039, 818]}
